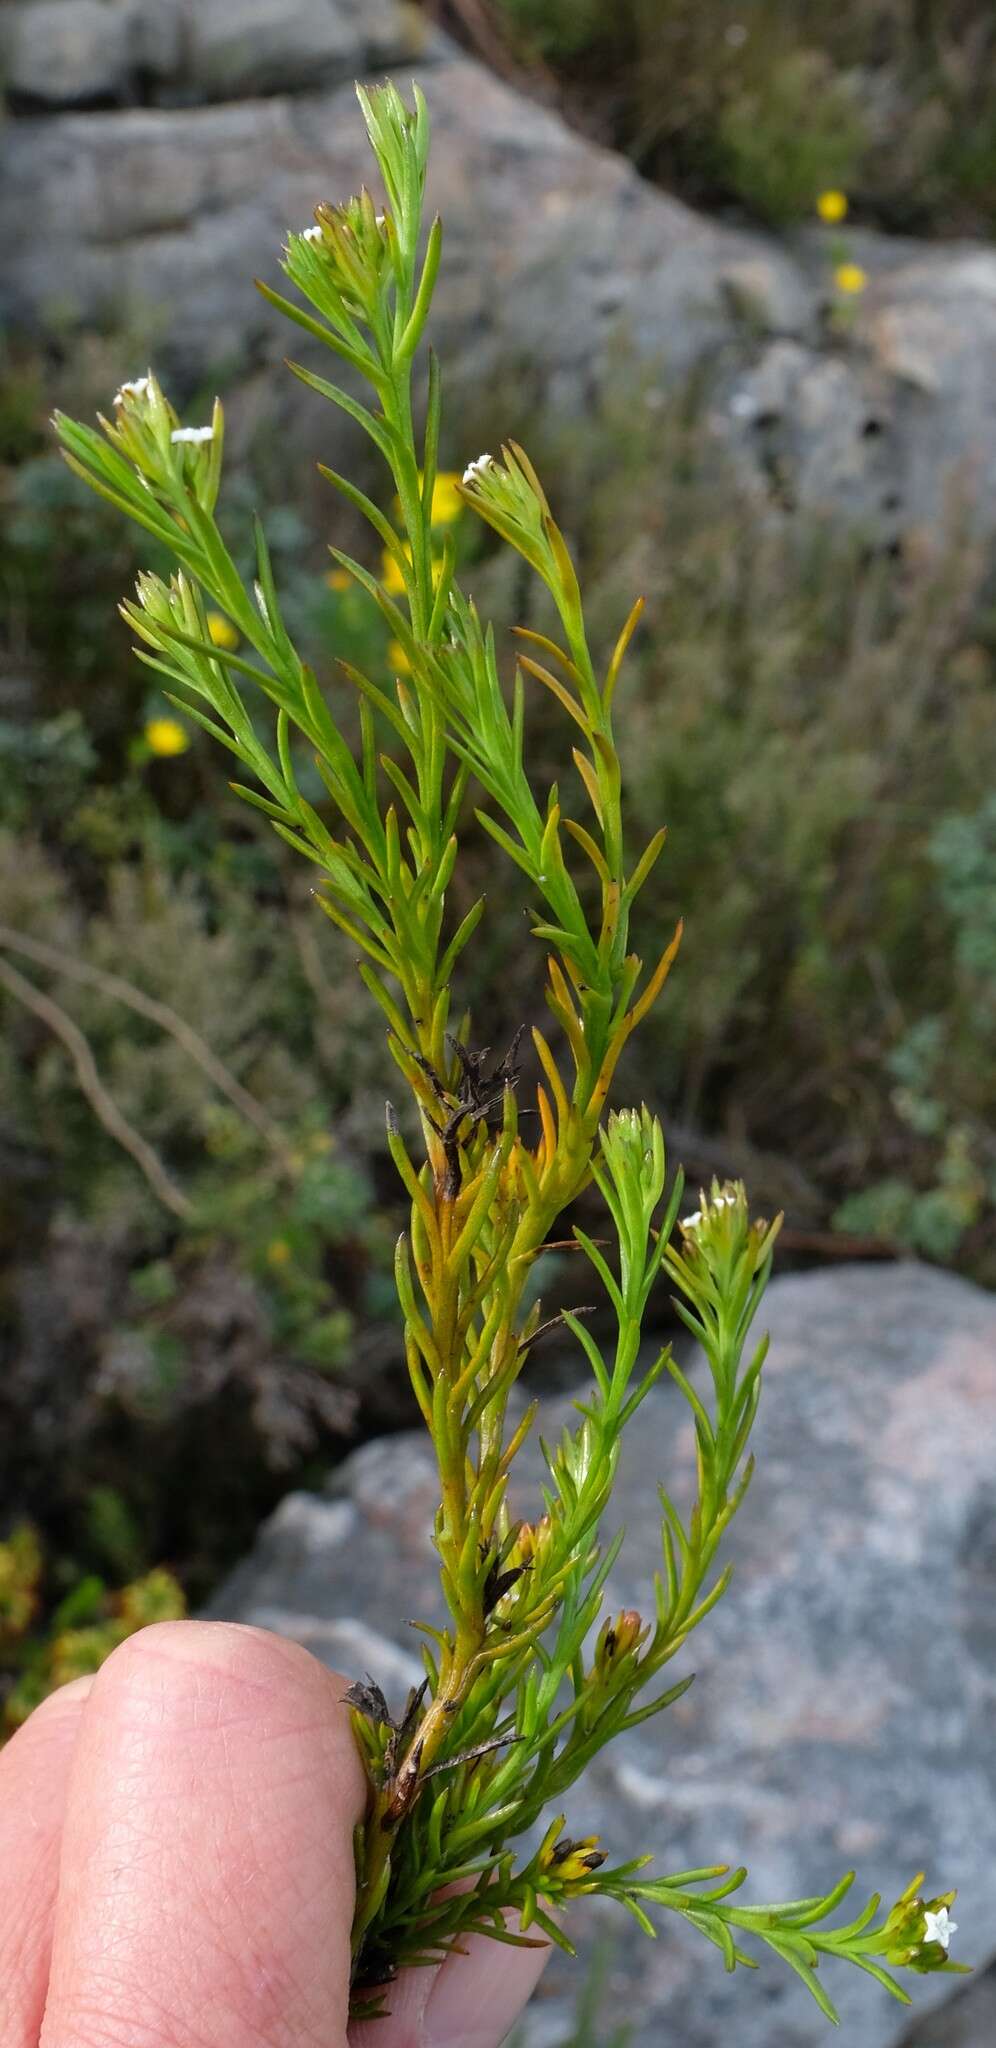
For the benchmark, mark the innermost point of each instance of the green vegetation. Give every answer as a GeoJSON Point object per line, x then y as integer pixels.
{"type": "Point", "coordinates": [192, 1250]}
{"type": "Point", "coordinates": [516, 1699]}
{"type": "Point", "coordinates": [202, 1243]}
{"type": "Point", "coordinates": [812, 717]}
{"type": "Point", "coordinates": [86, 1622]}
{"type": "Point", "coordinates": [764, 103]}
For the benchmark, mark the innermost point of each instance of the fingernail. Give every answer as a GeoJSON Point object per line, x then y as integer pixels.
{"type": "Point", "coordinates": [477, 1998]}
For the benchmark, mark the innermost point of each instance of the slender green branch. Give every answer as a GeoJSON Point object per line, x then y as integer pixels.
{"type": "Point", "coordinates": [529, 1677]}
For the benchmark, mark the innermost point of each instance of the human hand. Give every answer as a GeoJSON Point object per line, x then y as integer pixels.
{"type": "Point", "coordinates": [176, 1864]}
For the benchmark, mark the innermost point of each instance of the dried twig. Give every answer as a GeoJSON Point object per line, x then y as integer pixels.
{"type": "Point", "coordinates": [168, 1020]}
{"type": "Point", "coordinates": [102, 1104]}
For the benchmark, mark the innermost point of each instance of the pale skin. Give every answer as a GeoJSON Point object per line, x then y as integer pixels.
{"type": "Point", "coordinates": [176, 1866]}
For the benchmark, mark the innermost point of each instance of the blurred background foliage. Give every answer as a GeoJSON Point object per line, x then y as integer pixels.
{"type": "Point", "coordinates": [198, 1215]}
{"type": "Point", "coordinates": [81, 1625]}
{"type": "Point", "coordinates": [895, 100]}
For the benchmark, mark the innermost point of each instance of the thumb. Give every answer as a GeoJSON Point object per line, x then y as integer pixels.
{"type": "Point", "coordinates": [206, 1880]}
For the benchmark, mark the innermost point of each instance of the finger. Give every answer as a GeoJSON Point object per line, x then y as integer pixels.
{"type": "Point", "coordinates": [477, 1998]}
{"type": "Point", "coordinates": [206, 1886]}
{"type": "Point", "coordinates": [34, 1775]}
{"type": "Point", "coordinates": [471, 2001]}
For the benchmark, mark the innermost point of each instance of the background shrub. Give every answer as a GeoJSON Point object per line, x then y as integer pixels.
{"type": "Point", "coordinates": [86, 1622]}
{"type": "Point", "coordinates": [762, 105]}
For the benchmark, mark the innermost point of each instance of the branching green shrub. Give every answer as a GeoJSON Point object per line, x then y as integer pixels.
{"type": "Point", "coordinates": [527, 1680]}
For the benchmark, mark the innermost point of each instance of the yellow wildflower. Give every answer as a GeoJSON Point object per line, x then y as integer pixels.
{"type": "Point", "coordinates": [447, 503]}
{"type": "Point", "coordinates": [391, 573]}
{"type": "Point", "coordinates": [166, 736]}
{"type": "Point", "coordinates": [221, 630]}
{"type": "Point", "coordinates": [338, 579]}
{"type": "Point", "coordinates": [398, 659]}
{"type": "Point", "coordinates": [850, 278]}
{"type": "Point", "coordinates": [832, 207]}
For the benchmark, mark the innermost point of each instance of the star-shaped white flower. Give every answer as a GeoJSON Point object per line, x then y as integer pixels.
{"type": "Point", "coordinates": [938, 1927]}
{"type": "Point", "coordinates": [475, 470]}
{"type": "Point", "coordinates": [195, 435]}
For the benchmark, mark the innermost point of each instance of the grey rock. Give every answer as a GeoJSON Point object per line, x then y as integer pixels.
{"type": "Point", "coordinates": [64, 53]}
{"type": "Point", "coordinates": [546, 237]}
{"type": "Point", "coordinates": [968, 2020]}
{"type": "Point", "coordinates": [900, 417]}
{"type": "Point", "coordinates": [561, 267]}
{"type": "Point", "coordinates": [239, 48]}
{"type": "Point", "coordinates": [843, 1709]}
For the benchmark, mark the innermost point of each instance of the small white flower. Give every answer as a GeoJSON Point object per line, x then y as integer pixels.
{"type": "Point", "coordinates": [475, 470]}
{"type": "Point", "coordinates": [136, 388]}
{"type": "Point", "coordinates": [380, 219]}
{"type": "Point", "coordinates": [195, 435]}
{"type": "Point", "coordinates": [312, 234]}
{"type": "Point", "coordinates": [939, 1927]}
{"type": "Point", "coordinates": [692, 1222]}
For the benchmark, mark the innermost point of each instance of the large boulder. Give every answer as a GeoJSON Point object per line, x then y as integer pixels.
{"type": "Point", "coordinates": [843, 1709]}
{"type": "Point", "coordinates": [562, 268]}
{"type": "Point", "coordinates": [240, 48]}
{"type": "Point", "coordinates": [65, 53]}
{"type": "Point", "coordinates": [553, 248]}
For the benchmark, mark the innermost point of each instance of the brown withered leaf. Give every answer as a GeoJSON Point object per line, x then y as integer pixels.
{"type": "Point", "coordinates": [497, 1584]}
{"type": "Point", "coordinates": [369, 1701]}
{"type": "Point", "coordinates": [413, 1706]}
